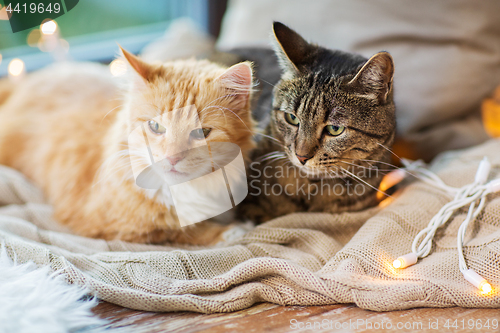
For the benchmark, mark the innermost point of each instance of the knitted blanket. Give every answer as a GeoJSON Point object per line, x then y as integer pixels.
{"type": "Point", "coordinates": [299, 259]}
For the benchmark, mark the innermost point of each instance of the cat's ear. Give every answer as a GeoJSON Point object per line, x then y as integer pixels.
{"type": "Point", "coordinates": [290, 48]}
{"type": "Point", "coordinates": [374, 79]}
{"type": "Point", "coordinates": [140, 67]}
{"type": "Point", "coordinates": [239, 80]}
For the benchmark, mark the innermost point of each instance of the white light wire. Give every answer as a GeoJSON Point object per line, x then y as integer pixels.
{"type": "Point", "coordinates": [466, 195]}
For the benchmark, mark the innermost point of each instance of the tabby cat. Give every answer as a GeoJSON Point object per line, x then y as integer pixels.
{"type": "Point", "coordinates": [67, 128]}
{"type": "Point", "coordinates": [332, 125]}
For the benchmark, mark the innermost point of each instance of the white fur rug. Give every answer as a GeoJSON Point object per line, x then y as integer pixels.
{"type": "Point", "coordinates": [33, 300]}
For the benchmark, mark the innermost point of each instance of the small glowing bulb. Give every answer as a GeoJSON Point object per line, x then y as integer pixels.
{"type": "Point", "coordinates": [48, 27]}
{"type": "Point", "coordinates": [405, 261]}
{"type": "Point", "coordinates": [16, 67]}
{"type": "Point", "coordinates": [117, 67]}
{"type": "Point", "coordinates": [477, 281]}
{"type": "Point", "coordinates": [485, 288]}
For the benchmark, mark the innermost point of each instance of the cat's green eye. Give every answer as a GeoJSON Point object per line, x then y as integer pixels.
{"type": "Point", "coordinates": [291, 119]}
{"type": "Point", "coordinates": [200, 133]}
{"type": "Point", "coordinates": [334, 130]}
{"type": "Point", "coordinates": [156, 128]}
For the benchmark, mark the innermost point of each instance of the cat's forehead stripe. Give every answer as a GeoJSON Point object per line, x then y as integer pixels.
{"type": "Point", "coordinates": [306, 96]}
{"type": "Point", "coordinates": [313, 100]}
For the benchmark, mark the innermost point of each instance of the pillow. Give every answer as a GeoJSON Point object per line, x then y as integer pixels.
{"type": "Point", "coordinates": [447, 54]}
{"type": "Point", "coordinates": [183, 39]}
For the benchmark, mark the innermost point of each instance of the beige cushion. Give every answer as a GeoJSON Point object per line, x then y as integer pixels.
{"type": "Point", "coordinates": [183, 39]}
{"type": "Point", "coordinates": [447, 54]}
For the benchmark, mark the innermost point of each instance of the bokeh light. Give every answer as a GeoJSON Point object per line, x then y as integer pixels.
{"type": "Point", "coordinates": [16, 67]}
{"type": "Point", "coordinates": [397, 263]}
{"type": "Point", "coordinates": [3, 13]}
{"type": "Point", "coordinates": [118, 67]}
{"type": "Point", "coordinates": [485, 288]}
{"type": "Point", "coordinates": [48, 27]}
{"type": "Point", "coordinates": [47, 44]}
{"type": "Point", "coordinates": [64, 44]}
{"type": "Point", "coordinates": [33, 37]}
{"type": "Point", "coordinates": [0, 58]}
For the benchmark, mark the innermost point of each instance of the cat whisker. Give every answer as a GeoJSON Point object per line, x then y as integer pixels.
{"type": "Point", "coordinates": [358, 160]}
{"type": "Point", "coordinates": [331, 172]}
{"type": "Point", "coordinates": [370, 167]}
{"type": "Point", "coordinates": [384, 163]}
{"type": "Point", "coordinates": [270, 137]}
{"type": "Point", "coordinates": [365, 182]}
{"type": "Point", "coordinates": [234, 113]}
{"type": "Point", "coordinates": [125, 145]}
{"type": "Point", "coordinates": [416, 176]}
{"type": "Point", "coordinates": [113, 109]}
{"type": "Point", "coordinates": [389, 150]}
{"type": "Point", "coordinates": [269, 83]}
{"type": "Point", "coordinates": [272, 157]}
{"type": "Point", "coordinates": [275, 159]}
{"type": "Point", "coordinates": [395, 167]}
{"type": "Point", "coordinates": [273, 153]}
{"type": "Point", "coordinates": [219, 108]}
{"type": "Point", "coordinates": [215, 100]}
{"type": "Point", "coordinates": [358, 166]}
{"type": "Point", "coordinates": [211, 104]}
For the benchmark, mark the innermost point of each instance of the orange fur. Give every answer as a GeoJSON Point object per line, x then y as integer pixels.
{"type": "Point", "coordinates": [62, 124]}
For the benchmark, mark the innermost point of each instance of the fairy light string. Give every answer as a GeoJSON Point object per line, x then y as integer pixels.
{"type": "Point", "coordinates": [471, 195]}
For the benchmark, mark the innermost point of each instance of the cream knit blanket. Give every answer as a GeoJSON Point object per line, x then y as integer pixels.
{"type": "Point", "coordinates": [300, 259]}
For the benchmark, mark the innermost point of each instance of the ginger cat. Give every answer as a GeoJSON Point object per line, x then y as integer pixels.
{"type": "Point", "coordinates": [68, 129]}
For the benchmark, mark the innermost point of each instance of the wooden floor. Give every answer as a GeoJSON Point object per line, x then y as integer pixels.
{"type": "Point", "coordinates": [267, 317]}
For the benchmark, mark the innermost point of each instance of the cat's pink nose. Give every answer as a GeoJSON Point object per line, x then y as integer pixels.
{"type": "Point", "coordinates": [174, 160]}
{"type": "Point", "coordinates": [303, 159]}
